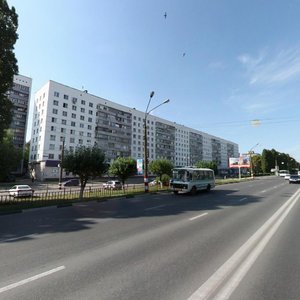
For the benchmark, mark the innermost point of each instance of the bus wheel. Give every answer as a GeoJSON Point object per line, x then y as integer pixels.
{"type": "Point", "coordinates": [208, 188]}
{"type": "Point", "coordinates": [193, 190]}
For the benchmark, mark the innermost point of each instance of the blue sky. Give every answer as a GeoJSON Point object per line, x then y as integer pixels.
{"type": "Point", "coordinates": [223, 64]}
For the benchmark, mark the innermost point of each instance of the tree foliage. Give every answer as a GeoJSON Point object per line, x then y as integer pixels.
{"type": "Point", "coordinates": [160, 167]}
{"type": "Point", "coordinates": [10, 156]}
{"type": "Point", "coordinates": [284, 161]}
{"type": "Point", "coordinates": [208, 164]}
{"type": "Point", "coordinates": [123, 168]}
{"type": "Point", "coordinates": [8, 61]}
{"type": "Point", "coordinates": [256, 164]}
{"type": "Point", "coordinates": [85, 162]}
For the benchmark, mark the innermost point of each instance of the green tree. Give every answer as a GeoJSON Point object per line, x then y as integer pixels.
{"type": "Point", "coordinates": [256, 164]}
{"type": "Point", "coordinates": [123, 168]}
{"type": "Point", "coordinates": [85, 162]}
{"type": "Point", "coordinates": [160, 167]}
{"type": "Point", "coordinates": [8, 61]}
{"type": "Point", "coordinates": [207, 164]}
{"type": "Point", "coordinates": [267, 160]}
{"type": "Point", "coordinates": [10, 156]}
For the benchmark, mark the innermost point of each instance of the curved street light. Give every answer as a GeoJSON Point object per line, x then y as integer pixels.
{"type": "Point", "coordinates": [146, 183]}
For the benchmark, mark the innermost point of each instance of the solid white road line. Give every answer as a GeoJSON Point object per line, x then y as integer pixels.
{"type": "Point", "coordinates": [38, 276]}
{"type": "Point", "coordinates": [236, 267]}
{"type": "Point", "coordinates": [197, 217]}
{"type": "Point", "coordinates": [155, 207]}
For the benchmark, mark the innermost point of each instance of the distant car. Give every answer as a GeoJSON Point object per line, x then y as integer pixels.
{"type": "Point", "coordinates": [287, 176]}
{"type": "Point", "coordinates": [112, 185]}
{"type": "Point", "coordinates": [71, 182]}
{"type": "Point", "coordinates": [21, 191]}
{"type": "Point", "coordinates": [294, 179]}
{"type": "Point", "coordinates": [154, 182]}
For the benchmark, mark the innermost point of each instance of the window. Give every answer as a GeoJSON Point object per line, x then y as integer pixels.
{"type": "Point", "coordinates": [89, 134]}
{"type": "Point", "coordinates": [82, 118]}
{"type": "Point", "coordinates": [72, 131]}
{"type": "Point", "coordinates": [80, 141]}
{"type": "Point", "coordinates": [51, 156]}
{"type": "Point", "coordinates": [90, 120]}
{"type": "Point", "coordinates": [72, 140]}
{"type": "Point", "coordinates": [74, 100]}
{"type": "Point", "coordinates": [53, 120]}
{"type": "Point", "coordinates": [52, 137]}
{"type": "Point", "coordinates": [54, 111]}
{"type": "Point", "coordinates": [74, 116]}
{"type": "Point", "coordinates": [64, 122]}
{"type": "Point", "coordinates": [74, 107]}
{"type": "Point", "coordinates": [65, 114]}
{"type": "Point", "coordinates": [65, 105]}
{"type": "Point", "coordinates": [90, 112]}
{"type": "Point", "coordinates": [82, 102]}
{"type": "Point", "coordinates": [73, 124]}
{"type": "Point", "coordinates": [55, 102]}
{"type": "Point", "coordinates": [90, 127]}
{"type": "Point", "coordinates": [81, 133]}
{"type": "Point", "coordinates": [56, 94]}
{"type": "Point", "coordinates": [81, 125]}
{"type": "Point", "coordinates": [53, 128]}
{"type": "Point", "coordinates": [63, 130]}
{"type": "Point", "coordinates": [52, 147]}
{"type": "Point", "coordinates": [90, 104]}
{"type": "Point", "coordinates": [66, 97]}
{"type": "Point", "coordinates": [82, 109]}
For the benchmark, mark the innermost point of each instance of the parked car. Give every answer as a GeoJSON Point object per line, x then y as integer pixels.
{"type": "Point", "coordinates": [21, 191]}
{"type": "Point", "coordinates": [112, 185]}
{"type": "Point", "coordinates": [287, 176]}
{"type": "Point", "coordinates": [71, 182]}
{"type": "Point", "coordinates": [294, 179]}
{"type": "Point", "coordinates": [155, 182]}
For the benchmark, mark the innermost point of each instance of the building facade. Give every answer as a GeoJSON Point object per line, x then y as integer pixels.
{"type": "Point", "coordinates": [68, 117]}
{"type": "Point", "coordinates": [20, 97]}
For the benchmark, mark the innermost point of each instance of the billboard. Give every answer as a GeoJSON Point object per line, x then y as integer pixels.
{"type": "Point", "coordinates": [240, 162]}
{"type": "Point", "coordinates": [140, 166]}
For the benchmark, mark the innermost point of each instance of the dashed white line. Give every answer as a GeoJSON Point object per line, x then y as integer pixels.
{"type": "Point", "coordinates": [155, 207]}
{"type": "Point", "coordinates": [243, 199]}
{"type": "Point", "coordinates": [197, 217]}
{"type": "Point", "coordinates": [30, 279]}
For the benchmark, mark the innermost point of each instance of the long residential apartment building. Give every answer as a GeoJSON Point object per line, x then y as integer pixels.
{"type": "Point", "coordinates": [65, 117]}
{"type": "Point", "coordinates": [19, 95]}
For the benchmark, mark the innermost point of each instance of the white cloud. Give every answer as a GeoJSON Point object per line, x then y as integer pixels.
{"type": "Point", "coordinates": [268, 69]}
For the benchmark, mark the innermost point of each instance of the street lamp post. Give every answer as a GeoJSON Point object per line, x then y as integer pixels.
{"type": "Point", "coordinates": [251, 152]}
{"type": "Point", "coordinates": [60, 165]}
{"type": "Point", "coordinates": [146, 183]}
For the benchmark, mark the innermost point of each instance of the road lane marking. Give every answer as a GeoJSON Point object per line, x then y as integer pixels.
{"type": "Point", "coordinates": [226, 279]}
{"type": "Point", "coordinates": [30, 279]}
{"type": "Point", "coordinates": [243, 199]}
{"type": "Point", "coordinates": [197, 217]}
{"type": "Point", "coordinates": [155, 207]}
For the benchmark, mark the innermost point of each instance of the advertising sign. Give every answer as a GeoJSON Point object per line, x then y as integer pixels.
{"type": "Point", "coordinates": [239, 162]}
{"type": "Point", "coordinates": [139, 166]}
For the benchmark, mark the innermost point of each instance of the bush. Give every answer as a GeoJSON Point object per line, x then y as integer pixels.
{"type": "Point", "coordinates": [165, 179]}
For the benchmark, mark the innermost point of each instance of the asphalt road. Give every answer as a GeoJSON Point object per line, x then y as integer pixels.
{"type": "Point", "coordinates": [240, 241]}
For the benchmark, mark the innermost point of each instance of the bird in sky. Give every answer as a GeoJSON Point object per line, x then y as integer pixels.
{"type": "Point", "coordinates": [183, 54]}
{"type": "Point", "coordinates": [165, 15]}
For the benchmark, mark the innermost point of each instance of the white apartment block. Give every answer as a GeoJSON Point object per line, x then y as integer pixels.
{"type": "Point", "coordinates": [62, 113]}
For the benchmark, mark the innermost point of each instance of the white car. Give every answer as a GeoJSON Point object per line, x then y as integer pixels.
{"type": "Point", "coordinates": [21, 190]}
{"type": "Point", "coordinates": [112, 185]}
{"type": "Point", "coordinates": [154, 183]}
{"type": "Point", "coordinates": [287, 176]}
